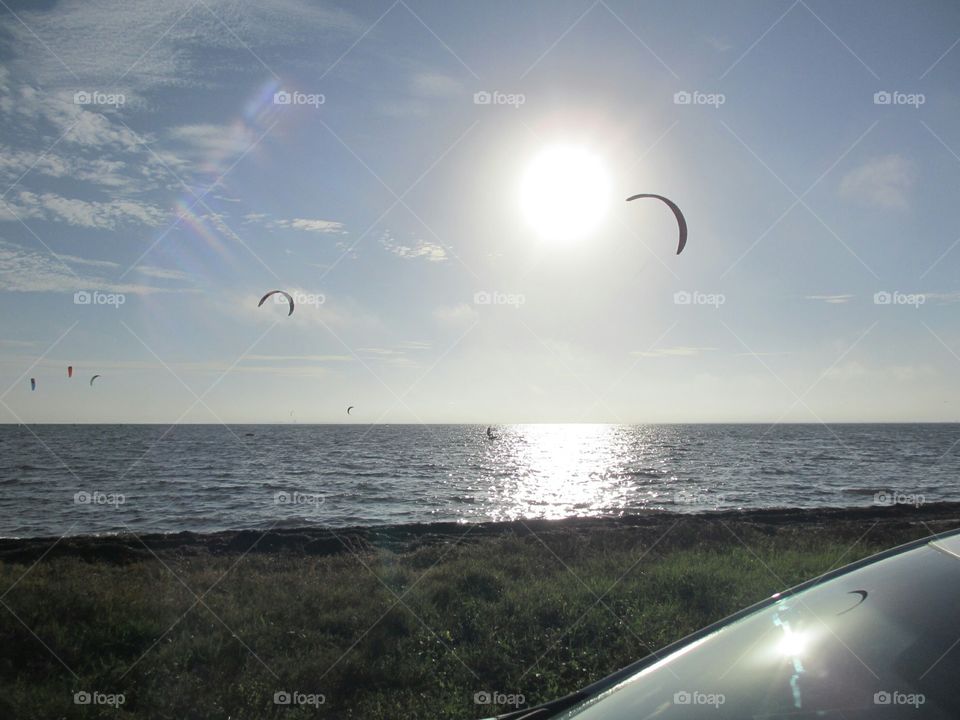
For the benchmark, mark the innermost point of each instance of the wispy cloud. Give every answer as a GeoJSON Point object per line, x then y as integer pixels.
{"type": "Point", "coordinates": [831, 299]}
{"type": "Point", "coordinates": [396, 356]}
{"type": "Point", "coordinates": [883, 182]}
{"type": "Point", "coordinates": [18, 343]}
{"type": "Point", "coordinates": [102, 215]}
{"type": "Point", "coordinates": [456, 315]}
{"type": "Point", "coordinates": [763, 353]}
{"type": "Point", "coordinates": [434, 84]}
{"type": "Point", "coordinates": [43, 110]}
{"type": "Point", "coordinates": [15, 162]}
{"type": "Point", "coordinates": [161, 273]}
{"type": "Point", "coordinates": [107, 166]}
{"type": "Point", "coordinates": [144, 46]}
{"type": "Point", "coordinates": [944, 298]}
{"type": "Point", "coordinates": [855, 370]}
{"type": "Point", "coordinates": [425, 88]}
{"type": "Point", "coordinates": [674, 351]}
{"type": "Point", "coordinates": [206, 142]}
{"type": "Point", "coordinates": [415, 345]}
{"type": "Point", "coordinates": [106, 264]}
{"type": "Point", "coordinates": [295, 358]}
{"type": "Point", "coordinates": [23, 270]}
{"type": "Point", "coordinates": [314, 225]}
{"type": "Point", "coordinates": [311, 225]}
{"type": "Point", "coordinates": [424, 249]}
{"type": "Point", "coordinates": [719, 44]}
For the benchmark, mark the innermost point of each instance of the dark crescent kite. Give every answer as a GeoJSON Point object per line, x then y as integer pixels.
{"type": "Point", "coordinates": [281, 292]}
{"type": "Point", "coordinates": [681, 221]}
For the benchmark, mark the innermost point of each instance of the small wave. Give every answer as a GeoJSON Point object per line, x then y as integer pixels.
{"type": "Point", "coordinates": [650, 473]}
{"type": "Point", "coordinates": [27, 467]}
{"type": "Point", "coordinates": [778, 472]}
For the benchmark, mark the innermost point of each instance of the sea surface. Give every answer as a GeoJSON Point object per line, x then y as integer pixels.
{"type": "Point", "coordinates": [97, 479]}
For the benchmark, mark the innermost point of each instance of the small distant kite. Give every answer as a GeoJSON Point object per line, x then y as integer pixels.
{"type": "Point", "coordinates": [33, 384]}
{"type": "Point", "coordinates": [681, 221]}
{"type": "Point", "coordinates": [275, 292]}
{"type": "Point", "coordinates": [349, 409]}
{"type": "Point", "coordinates": [92, 379]}
{"type": "Point", "coordinates": [69, 371]}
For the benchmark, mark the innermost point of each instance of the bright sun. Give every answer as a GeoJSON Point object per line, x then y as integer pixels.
{"type": "Point", "coordinates": [565, 192]}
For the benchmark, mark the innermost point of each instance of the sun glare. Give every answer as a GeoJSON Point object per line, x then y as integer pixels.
{"type": "Point", "coordinates": [565, 192]}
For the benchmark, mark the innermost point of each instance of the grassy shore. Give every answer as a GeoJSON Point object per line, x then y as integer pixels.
{"type": "Point", "coordinates": [392, 622]}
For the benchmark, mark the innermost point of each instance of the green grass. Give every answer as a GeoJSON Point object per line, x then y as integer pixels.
{"type": "Point", "coordinates": [382, 634]}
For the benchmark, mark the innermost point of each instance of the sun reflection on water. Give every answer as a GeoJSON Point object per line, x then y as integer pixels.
{"type": "Point", "coordinates": [555, 471]}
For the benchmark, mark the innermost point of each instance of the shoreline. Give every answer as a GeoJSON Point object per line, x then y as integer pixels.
{"type": "Point", "coordinates": [321, 540]}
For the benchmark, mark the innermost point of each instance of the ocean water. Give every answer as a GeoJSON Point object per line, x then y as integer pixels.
{"type": "Point", "coordinates": [94, 479]}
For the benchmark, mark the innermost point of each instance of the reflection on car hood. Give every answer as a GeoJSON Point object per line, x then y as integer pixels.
{"type": "Point", "coordinates": [876, 640]}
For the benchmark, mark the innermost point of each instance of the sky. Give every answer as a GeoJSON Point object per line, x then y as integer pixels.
{"type": "Point", "coordinates": [150, 164]}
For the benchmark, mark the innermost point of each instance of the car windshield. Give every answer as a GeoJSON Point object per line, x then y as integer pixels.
{"type": "Point", "coordinates": [871, 643]}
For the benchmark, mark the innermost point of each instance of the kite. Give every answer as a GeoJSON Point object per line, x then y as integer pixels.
{"type": "Point", "coordinates": [681, 221]}
{"type": "Point", "coordinates": [281, 292]}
